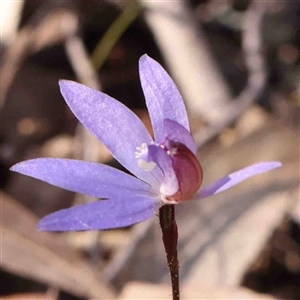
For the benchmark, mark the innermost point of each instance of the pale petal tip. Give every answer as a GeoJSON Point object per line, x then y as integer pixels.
{"type": "Point", "coordinates": [65, 83]}
{"type": "Point", "coordinates": [17, 167]}
{"type": "Point", "coordinates": [145, 58]}
{"type": "Point", "coordinates": [237, 177]}
{"type": "Point", "coordinates": [47, 223]}
{"type": "Point", "coordinates": [274, 164]}
{"type": "Point", "coordinates": [13, 168]}
{"type": "Point", "coordinates": [22, 166]}
{"type": "Point", "coordinates": [62, 81]}
{"type": "Point", "coordinates": [40, 227]}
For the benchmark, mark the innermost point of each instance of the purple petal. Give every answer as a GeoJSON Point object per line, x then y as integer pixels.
{"type": "Point", "coordinates": [99, 215]}
{"type": "Point", "coordinates": [235, 178]}
{"type": "Point", "coordinates": [162, 96]}
{"type": "Point", "coordinates": [111, 121]}
{"type": "Point", "coordinates": [177, 133]}
{"type": "Point", "coordinates": [84, 177]}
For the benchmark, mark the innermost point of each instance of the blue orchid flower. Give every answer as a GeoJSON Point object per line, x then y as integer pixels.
{"type": "Point", "coordinates": [166, 169]}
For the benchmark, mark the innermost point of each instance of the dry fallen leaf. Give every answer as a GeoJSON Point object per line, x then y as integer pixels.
{"type": "Point", "coordinates": [44, 257]}
{"type": "Point", "coordinates": [27, 296]}
{"type": "Point", "coordinates": [140, 290]}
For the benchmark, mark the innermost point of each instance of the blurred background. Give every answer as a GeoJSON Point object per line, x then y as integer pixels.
{"type": "Point", "coordinates": [236, 63]}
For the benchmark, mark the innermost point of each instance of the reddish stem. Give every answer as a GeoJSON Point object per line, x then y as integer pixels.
{"type": "Point", "coordinates": [170, 237]}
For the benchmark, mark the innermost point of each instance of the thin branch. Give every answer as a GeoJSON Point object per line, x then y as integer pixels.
{"type": "Point", "coordinates": [12, 61]}
{"type": "Point", "coordinates": [29, 40]}
{"type": "Point", "coordinates": [187, 53]}
{"type": "Point", "coordinates": [10, 16]}
{"type": "Point", "coordinates": [80, 62]}
{"type": "Point", "coordinates": [77, 53]}
{"type": "Point", "coordinates": [252, 48]}
{"type": "Point", "coordinates": [86, 143]}
{"type": "Point", "coordinates": [125, 254]}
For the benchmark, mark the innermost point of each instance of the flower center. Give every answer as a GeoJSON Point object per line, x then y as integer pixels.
{"type": "Point", "coordinates": [181, 170]}
{"type": "Point", "coordinates": [141, 155]}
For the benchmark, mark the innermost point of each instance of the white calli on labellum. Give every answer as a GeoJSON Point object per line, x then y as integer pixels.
{"type": "Point", "coordinates": [166, 169]}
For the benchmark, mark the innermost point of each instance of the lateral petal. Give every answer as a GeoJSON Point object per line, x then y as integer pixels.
{"type": "Point", "coordinates": [84, 177]}
{"type": "Point", "coordinates": [162, 96]}
{"type": "Point", "coordinates": [235, 178]}
{"type": "Point", "coordinates": [100, 215]}
{"type": "Point", "coordinates": [112, 122]}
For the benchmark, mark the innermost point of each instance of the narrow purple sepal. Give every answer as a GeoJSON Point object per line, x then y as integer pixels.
{"type": "Point", "coordinates": [162, 96]}
{"type": "Point", "coordinates": [84, 177]}
{"type": "Point", "coordinates": [235, 178]}
{"type": "Point", "coordinates": [177, 133]}
{"type": "Point", "coordinates": [112, 122]}
{"type": "Point", "coordinates": [99, 215]}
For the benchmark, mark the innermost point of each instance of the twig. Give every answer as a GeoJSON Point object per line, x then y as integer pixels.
{"type": "Point", "coordinates": [29, 40]}
{"type": "Point", "coordinates": [12, 61]}
{"type": "Point", "coordinates": [187, 54]}
{"type": "Point", "coordinates": [139, 232]}
{"type": "Point", "coordinates": [80, 62]}
{"type": "Point", "coordinates": [252, 48]}
{"type": "Point", "coordinates": [86, 144]}
{"type": "Point", "coordinates": [10, 15]}
{"type": "Point", "coordinates": [78, 55]}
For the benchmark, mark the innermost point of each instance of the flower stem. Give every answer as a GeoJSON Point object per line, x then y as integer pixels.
{"type": "Point", "coordinates": [170, 237]}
